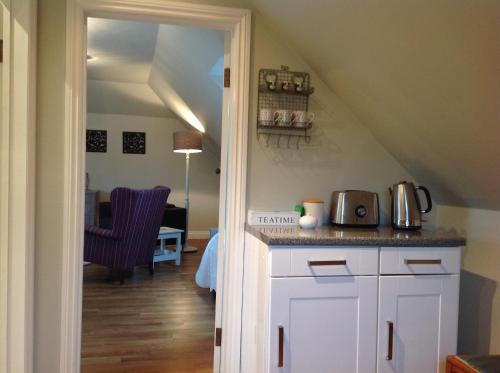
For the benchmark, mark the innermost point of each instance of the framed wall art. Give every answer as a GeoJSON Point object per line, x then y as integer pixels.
{"type": "Point", "coordinates": [97, 141]}
{"type": "Point", "coordinates": [134, 142]}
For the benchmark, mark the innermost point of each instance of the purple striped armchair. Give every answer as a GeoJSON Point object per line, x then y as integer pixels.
{"type": "Point", "coordinates": [136, 220]}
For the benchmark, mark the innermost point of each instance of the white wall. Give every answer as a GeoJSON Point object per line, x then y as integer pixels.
{"type": "Point", "coordinates": [159, 166]}
{"type": "Point", "coordinates": [479, 319]}
{"type": "Point", "coordinates": [342, 154]}
{"type": "Point", "coordinates": [1, 68]}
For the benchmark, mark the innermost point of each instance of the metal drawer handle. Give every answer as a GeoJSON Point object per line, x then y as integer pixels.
{"type": "Point", "coordinates": [281, 338]}
{"type": "Point", "coordinates": [422, 261]}
{"type": "Point", "coordinates": [390, 337]}
{"type": "Point", "coordinates": [327, 262]}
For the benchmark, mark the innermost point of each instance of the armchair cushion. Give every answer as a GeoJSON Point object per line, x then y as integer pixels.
{"type": "Point", "coordinates": [104, 233]}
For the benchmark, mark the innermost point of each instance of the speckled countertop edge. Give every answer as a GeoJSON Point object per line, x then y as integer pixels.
{"type": "Point", "coordinates": [382, 236]}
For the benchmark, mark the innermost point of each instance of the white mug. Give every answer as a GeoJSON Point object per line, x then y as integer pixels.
{"type": "Point", "coordinates": [266, 117]}
{"type": "Point", "coordinates": [302, 118]}
{"type": "Point", "coordinates": [283, 118]}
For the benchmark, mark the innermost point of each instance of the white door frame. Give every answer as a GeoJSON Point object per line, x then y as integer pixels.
{"type": "Point", "coordinates": [17, 185]}
{"type": "Point", "coordinates": [233, 162]}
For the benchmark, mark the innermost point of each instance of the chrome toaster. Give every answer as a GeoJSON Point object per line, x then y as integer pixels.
{"type": "Point", "coordinates": [354, 208]}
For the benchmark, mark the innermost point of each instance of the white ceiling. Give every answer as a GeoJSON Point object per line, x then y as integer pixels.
{"type": "Point", "coordinates": [423, 76]}
{"type": "Point", "coordinates": [122, 51]}
{"type": "Point", "coordinates": [155, 70]}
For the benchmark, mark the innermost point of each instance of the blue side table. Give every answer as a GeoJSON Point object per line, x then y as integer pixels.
{"type": "Point", "coordinates": [162, 254]}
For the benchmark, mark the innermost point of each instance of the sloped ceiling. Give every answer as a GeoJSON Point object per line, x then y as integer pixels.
{"type": "Point", "coordinates": [111, 97]}
{"type": "Point", "coordinates": [182, 69]}
{"type": "Point", "coordinates": [423, 76]}
{"type": "Point", "coordinates": [137, 68]}
{"type": "Point", "coordinates": [119, 58]}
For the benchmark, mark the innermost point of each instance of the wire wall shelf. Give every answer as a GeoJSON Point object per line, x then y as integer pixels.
{"type": "Point", "coordinates": [283, 93]}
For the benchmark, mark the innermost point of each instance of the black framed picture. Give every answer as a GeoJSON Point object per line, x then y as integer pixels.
{"type": "Point", "coordinates": [134, 142]}
{"type": "Point", "coordinates": [97, 141]}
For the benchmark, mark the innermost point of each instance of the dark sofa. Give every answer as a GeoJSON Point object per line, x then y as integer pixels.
{"type": "Point", "coordinates": [174, 217]}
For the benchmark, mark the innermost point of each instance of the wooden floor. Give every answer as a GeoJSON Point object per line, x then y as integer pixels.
{"type": "Point", "coordinates": [151, 324]}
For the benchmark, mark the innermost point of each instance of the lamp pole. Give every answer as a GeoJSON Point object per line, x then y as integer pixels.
{"type": "Point", "coordinates": [187, 248]}
{"type": "Point", "coordinates": [186, 199]}
{"type": "Point", "coordinates": [187, 142]}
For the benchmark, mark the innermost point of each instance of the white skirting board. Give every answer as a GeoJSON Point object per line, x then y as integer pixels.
{"type": "Point", "coordinates": [199, 235]}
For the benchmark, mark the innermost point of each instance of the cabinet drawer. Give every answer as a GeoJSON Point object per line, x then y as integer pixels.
{"type": "Point", "coordinates": [419, 260]}
{"type": "Point", "coordinates": [326, 261]}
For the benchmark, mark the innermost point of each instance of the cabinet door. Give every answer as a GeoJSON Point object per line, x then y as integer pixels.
{"type": "Point", "coordinates": [418, 317]}
{"type": "Point", "coordinates": [323, 324]}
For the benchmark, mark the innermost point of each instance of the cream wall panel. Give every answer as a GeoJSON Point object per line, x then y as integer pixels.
{"type": "Point", "coordinates": [49, 183]}
{"type": "Point", "coordinates": [342, 154]}
{"type": "Point", "coordinates": [421, 75]}
{"type": "Point", "coordinates": [479, 321]}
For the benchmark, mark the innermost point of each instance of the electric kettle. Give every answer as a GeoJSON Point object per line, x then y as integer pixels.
{"type": "Point", "coordinates": [406, 211]}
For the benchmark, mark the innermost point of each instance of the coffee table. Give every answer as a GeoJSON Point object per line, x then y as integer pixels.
{"type": "Point", "coordinates": [162, 254]}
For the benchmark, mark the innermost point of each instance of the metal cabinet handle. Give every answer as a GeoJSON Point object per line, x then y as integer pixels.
{"type": "Point", "coordinates": [281, 338]}
{"type": "Point", "coordinates": [327, 262]}
{"type": "Point", "coordinates": [390, 337]}
{"type": "Point", "coordinates": [423, 261]}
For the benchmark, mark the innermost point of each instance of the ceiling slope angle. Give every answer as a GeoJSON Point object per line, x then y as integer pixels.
{"type": "Point", "coordinates": [108, 97]}
{"type": "Point", "coordinates": [423, 76]}
{"type": "Point", "coordinates": [119, 60]}
{"type": "Point", "coordinates": [184, 75]}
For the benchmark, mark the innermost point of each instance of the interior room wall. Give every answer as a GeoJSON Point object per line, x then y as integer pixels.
{"type": "Point", "coordinates": [421, 75]}
{"type": "Point", "coordinates": [51, 24]}
{"type": "Point", "coordinates": [479, 317]}
{"type": "Point", "coordinates": [1, 64]}
{"type": "Point", "coordinates": [159, 166]}
{"type": "Point", "coordinates": [342, 154]}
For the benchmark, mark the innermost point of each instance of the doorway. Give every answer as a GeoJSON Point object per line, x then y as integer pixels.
{"type": "Point", "coordinates": [233, 162]}
{"type": "Point", "coordinates": [148, 87]}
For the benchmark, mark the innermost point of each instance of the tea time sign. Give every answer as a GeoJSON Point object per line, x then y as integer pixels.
{"type": "Point", "coordinates": [281, 218]}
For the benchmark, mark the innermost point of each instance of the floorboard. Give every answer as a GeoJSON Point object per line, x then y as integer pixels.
{"type": "Point", "coordinates": [151, 324]}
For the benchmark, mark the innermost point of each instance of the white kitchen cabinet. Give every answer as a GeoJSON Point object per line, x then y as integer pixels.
{"type": "Point", "coordinates": [417, 326]}
{"type": "Point", "coordinates": [324, 308]}
{"type": "Point", "coordinates": [327, 324]}
{"type": "Point", "coordinates": [419, 260]}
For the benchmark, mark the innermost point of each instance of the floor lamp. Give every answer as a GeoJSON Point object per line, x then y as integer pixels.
{"type": "Point", "coordinates": [187, 142]}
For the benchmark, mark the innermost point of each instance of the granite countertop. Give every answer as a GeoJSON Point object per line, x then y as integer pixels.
{"type": "Point", "coordinates": [382, 236]}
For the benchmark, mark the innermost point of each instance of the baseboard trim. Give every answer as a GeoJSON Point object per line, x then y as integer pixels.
{"type": "Point", "coordinates": [199, 235]}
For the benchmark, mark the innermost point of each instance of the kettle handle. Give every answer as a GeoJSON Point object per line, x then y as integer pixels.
{"type": "Point", "coordinates": [428, 197]}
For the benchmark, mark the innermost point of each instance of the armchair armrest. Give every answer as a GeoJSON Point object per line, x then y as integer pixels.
{"type": "Point", "coordinates": [100, 232]}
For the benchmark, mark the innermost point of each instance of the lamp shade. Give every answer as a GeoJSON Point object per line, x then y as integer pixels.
{"type": "Point", "coordinates": [187, 142]}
